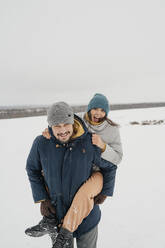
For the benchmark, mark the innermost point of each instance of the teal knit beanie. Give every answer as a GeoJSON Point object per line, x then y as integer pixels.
{"type": "Point", "coordinates": [99, 101]}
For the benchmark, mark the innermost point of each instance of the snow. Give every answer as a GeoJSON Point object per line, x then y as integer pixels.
{"type": "Point", "coordinates": [133, 218]}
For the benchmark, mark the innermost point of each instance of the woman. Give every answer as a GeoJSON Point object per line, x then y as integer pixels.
{"type": "Point", "coordinates": [106, 132]}
{"type": "Point", "coordinates": [106, 136]}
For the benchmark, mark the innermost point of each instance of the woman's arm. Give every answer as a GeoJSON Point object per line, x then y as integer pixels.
{"type": "Point", "coordinates": [111, 152]}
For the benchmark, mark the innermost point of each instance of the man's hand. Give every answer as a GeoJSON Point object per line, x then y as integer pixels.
{"type": "Point", "coordinates": [46, 133]}
{"type": "Point", "coordinates": [99, 199]}
{"type": "Point", "coordinates": [46, 208]}
{"type": "Point", "coordinates": [96, 140]}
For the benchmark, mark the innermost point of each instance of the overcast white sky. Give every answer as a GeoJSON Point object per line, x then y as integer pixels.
{"type": "Point", "coordinates": [48, 48]}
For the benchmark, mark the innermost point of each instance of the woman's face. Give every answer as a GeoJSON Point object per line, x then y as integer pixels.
{"type": "Point", "coordinates": [97, 114]}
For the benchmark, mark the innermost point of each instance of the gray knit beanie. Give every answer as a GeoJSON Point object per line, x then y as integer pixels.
{"type": "Point", "coordinates": [60, 112]}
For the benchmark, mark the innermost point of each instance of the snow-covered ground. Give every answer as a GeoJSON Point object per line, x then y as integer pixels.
{"type": "Point", "coordinates": [134, 218]}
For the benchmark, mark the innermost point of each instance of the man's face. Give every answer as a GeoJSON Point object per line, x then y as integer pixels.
{"type": "Point", "coordinates": [63, 132]}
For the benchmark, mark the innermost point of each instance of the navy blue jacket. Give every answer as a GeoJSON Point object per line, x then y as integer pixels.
{"type": "Point", "coordinates": [66, 167]}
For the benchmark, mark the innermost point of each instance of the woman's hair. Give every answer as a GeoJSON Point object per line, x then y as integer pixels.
{"type": "Point", "coordinates": [112, 123]}
{"type": "Point", "coordinates": [105, 118]}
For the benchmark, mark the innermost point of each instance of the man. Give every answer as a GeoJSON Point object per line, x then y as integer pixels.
{"type": "Point", "coordinates": [57, 168]}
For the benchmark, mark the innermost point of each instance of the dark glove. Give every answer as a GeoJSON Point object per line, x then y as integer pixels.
{"type": "Point", "coordinates": [47, 208]}
{"type": "Point", "coordinates": [99, 199]}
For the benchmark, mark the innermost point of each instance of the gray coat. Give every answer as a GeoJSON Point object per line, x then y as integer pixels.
{"type": "Point", "coordinates": [111, 136]}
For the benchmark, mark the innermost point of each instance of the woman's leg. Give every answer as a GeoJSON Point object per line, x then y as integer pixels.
{"type": "Point", "coordinates": [83, 202]}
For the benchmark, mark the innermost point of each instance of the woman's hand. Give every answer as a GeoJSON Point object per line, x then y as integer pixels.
{"type": "Point", "coordinates": [96, 140]}
{"type": "Point", "coordinates": [46, 133]}
{"type": "Point", "coordinates": [99, 199]}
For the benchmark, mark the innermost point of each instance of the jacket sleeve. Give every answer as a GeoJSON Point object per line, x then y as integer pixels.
{"type": "Point", "coordinates": [108, 171]}
{"type": "Point", "coordinates": [114, 152]}
{"type": "Point", "coordinates": [34, 168]}
{"type": "Point", "coordinates": [108, 180]}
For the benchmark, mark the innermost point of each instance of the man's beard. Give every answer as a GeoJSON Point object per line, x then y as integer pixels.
{"type": "Point", "coordinates": [63, 135]}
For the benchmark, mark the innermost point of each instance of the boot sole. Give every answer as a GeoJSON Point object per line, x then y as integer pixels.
{"type": "Point", "coordinates": [35, 234]}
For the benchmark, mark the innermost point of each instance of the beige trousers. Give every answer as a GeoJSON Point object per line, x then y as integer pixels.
{"type": "Point", "coordinates": [83, 202]}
